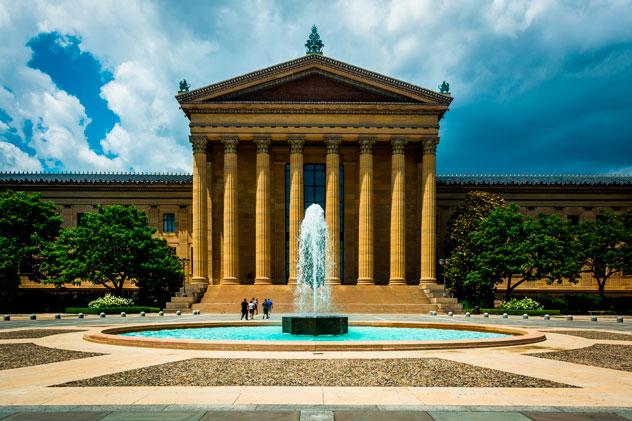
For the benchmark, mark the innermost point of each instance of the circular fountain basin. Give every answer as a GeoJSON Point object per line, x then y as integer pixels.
{"type": "Point", "coordinates": [268, 336]}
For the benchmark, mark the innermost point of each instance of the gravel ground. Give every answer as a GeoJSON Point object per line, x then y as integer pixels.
{"type": "Point", "coordinates": [617, 357]}
{"type": "Point", "coordinates": [591, 334]}
{"type": "Point", "coordinates": [35, 333]}
{"type": "Point", "coordinates": [27, 354]}
{"type": "Point", "coordinates": [427, 372]}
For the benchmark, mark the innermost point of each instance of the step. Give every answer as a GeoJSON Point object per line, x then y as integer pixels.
{"type": "Point", "coordinates": [182, 300]}
{"type": "Point", "coordinates": [443, 300]}
{"type": "Point", "coordinates": [177, 306]}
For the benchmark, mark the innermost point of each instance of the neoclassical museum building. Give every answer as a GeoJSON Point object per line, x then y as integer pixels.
{"type": "Point", "coordinates": [362, 145]}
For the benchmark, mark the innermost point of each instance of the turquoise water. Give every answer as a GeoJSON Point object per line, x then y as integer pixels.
{"type": "Point", "coordinates": [356, 333]}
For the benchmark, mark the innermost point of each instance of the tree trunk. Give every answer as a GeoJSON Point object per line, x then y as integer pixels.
{"type": "Point", "coordinates": [602, 287]}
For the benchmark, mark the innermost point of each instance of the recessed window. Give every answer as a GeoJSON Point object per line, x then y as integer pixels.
{"type": "Point", "coordinates": [169, 222]}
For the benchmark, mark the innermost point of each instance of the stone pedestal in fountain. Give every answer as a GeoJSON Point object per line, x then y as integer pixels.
{"type": "Point", "coordinates": [316, 325]}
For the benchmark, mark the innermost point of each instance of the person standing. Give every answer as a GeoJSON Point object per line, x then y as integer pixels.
{"type": "Point", "coordinates": [256, 306]}
{"type": "Point", "coordinates": [244, 309]}
{"type": "Point", "coordinates": [251, 309]}
{"type": "Point", "coordinates": [269, 307]}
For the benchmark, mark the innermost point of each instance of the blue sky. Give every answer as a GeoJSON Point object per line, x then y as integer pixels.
{"type": "Point", "coordinates": [540, 86]}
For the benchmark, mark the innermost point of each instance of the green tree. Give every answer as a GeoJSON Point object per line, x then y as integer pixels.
{"type": "Point", "coordinates": [113, 246]}
{"type": "Point", "coordinates": [476, 207]}
{"type": "Point", "coordinates": [27, 224]}
{"type": "Point", "coordinates": [607, 246]}
{"type": "Point", "coordinates": [509, 245]}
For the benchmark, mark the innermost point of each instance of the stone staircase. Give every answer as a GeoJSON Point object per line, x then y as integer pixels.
{"type": "Point", "coordinates": [438, 296]}
{"type": "Point", "coordinates": [185, 298]}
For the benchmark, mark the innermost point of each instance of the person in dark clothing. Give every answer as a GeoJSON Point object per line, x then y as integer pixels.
{"type": "Point", "coordinates": [244, 309]}
{"type": "Point", "coordinates": [266, 309]}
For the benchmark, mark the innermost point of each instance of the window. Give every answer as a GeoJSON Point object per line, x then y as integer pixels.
{"type": "Point", "coordinates": [573, 219]}
{"type": "Point", "coordinates": [169, 222]}
{"type": "Point", "coordinates": [80, 218]}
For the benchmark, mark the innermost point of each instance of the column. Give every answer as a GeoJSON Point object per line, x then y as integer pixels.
{"type": "Point", "coordinates": [200, 253]}
{"type": "Point", "coordinates": [263, 268]}
{"type": "Point", "coordinates": [231, 229]}
{"type": "Point", "coordinates": [398, 213]}
{"type": "Point", "coordinates": [365, 222]}
{"type": "Point", "coordinates": [332, 208]}
{"type": "Point", "coordinates": [209, 220]}
{"type": "Point", "coordinates": [296, 203]}
{"type": "Point", "coordinates": [428, 211]}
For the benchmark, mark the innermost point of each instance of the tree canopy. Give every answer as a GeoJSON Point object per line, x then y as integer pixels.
{"type": "Point", "coordinates": [476, 207]}
{"type": "Point", "coordinates": [113, 246]}
{"type": "Point", "coordinates": [27, 224]}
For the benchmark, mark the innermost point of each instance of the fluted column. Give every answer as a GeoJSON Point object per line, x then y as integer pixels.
{"type": "Point", "coordinates": [209, 221]}
{"type": "Point", "coordinates": [231, 229]}
{"type": "Point", "coordinates": [365, 223]}
{"type": "Point", "coordinates": [200, 250]}
{"type": "Point", "coordinates": [428, 211]}
{"type": "Point", "coordinates": [332, 209]}
{"type": "Point", "coordinates": [398, 214]}
{"type": "Point", "coordinates": [263, 268]}
{"type": "Point", "coordinates": [296, 203]}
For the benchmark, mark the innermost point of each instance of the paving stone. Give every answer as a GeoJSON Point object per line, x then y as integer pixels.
{"type": "Point", "coordinates": [251, 416]}
{"type": "Point", "coordinates": [573, 416]}
{"type": "Point", "coordinates": [57, 416]}
{"type": "Point", "coordinates": [154, 415]}
{"type": "Point", "coordinates": [382, 415]}
{"type": "Point", "coordinates": [316, 415]}
{"type": "Point", "coordinates": [625, 414]}
{"type": "Point", "coordinates": [477, 416]}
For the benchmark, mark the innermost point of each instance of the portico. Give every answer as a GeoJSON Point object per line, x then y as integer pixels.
{"type": "Point", "coordinates": [263, 141]}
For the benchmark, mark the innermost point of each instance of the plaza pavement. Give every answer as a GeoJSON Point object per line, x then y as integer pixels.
{"type": "Point", "coordinates": [597, 390]}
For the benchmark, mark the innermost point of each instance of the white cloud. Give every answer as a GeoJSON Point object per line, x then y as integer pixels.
{"type": "Point", "coordinates": [13, 159]}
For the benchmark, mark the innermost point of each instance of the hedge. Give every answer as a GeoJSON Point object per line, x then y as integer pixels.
{"type": "Point", "coordinates": [520, 312]}
{"type": "Point", "coordinates": [112, 310]}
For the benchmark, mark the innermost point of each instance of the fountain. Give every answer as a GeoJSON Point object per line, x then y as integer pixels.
{"type": "Point", "coordinates": [312, 295]}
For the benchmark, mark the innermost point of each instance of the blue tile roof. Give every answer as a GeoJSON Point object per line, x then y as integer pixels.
{"type": "Point", "coordinates": [180, 178]}
{"type": "Point", "coordinates": [94, 178]}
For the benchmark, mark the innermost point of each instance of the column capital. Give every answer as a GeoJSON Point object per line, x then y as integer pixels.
{"type": "Point", "coordinates": [430, 145]}
{"type": "Point", "coordinates": [366, 144]}
{"type": "Point", "coordinates": [263, 144]}
{"type": "Point", "coordinates": [230, 143]}
{"type": "Point", "coordinates": [198, 142]}
{"type": "Point", "coordinates": [333, 144]}
{"type": "Point", "coordinates": [296, 144]}
{"type": "Point", "coordinates": [398, 144]}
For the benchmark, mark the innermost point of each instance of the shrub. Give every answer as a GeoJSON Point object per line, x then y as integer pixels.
{"type": "Point", "coordinates": [524, 304]}
{"type": "Point", "coordinates": [109, 300]}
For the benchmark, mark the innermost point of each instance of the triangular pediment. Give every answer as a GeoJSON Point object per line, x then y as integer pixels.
{"type": "Point", "coordinates": [313, 78]}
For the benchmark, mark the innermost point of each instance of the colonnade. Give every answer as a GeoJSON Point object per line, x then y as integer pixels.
{"type": "Point", "coordinates": [202, 198]}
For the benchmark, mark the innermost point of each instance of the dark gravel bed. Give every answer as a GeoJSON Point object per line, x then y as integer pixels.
{"type": "Point", "coordinates": [27, 354]}
{"type": "Point", "coordinates": [592, 334]}
{"type": "Point", "coordinates": [35, 333]}
{"type": "Point", "coordinates": [617, 357]}
{"type": "Point", "coordinates": [427, 372]}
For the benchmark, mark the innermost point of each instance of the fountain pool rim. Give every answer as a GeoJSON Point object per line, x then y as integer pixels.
{"type": "Point", "coordinates": [112, 336]}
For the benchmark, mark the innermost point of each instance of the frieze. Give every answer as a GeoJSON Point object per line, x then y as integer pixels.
{"type": "Point", "coordinates": [319, 125]}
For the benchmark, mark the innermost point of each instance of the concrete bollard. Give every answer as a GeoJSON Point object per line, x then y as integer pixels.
{"type": "Point", "coordinates": [142, 314]}
{"type": "Point", "coordinates": [547, 317]}
{"type": "Point", "coordinates": [80, 315]}
{"type": "Point", "coordinates": [505, 316]}
{"type": "Point", "coordinates": [102, 315]}
{"type": "Point", "coordinates": [593, 318]}
{"type": "Point", "coordinates": [161, 313]}
{"type": "Point", "coordinates": [33, 317]}
{"type": "Point", "coordinates": [433, 313]}
{"type": "Point", "coordinates": [6, 318]}
{"type": "Point", "coordinates": [467, 314]}
{"type": "Point", "coordinates": [569, 317]}
{"type": "Point", "coordinates": [196, 312]}
{"type": "Point", "coordinates": [123, 314]}
{"type": "Point", "coordinates": [525, 316]}
{"type": "Point", "coordinates": [57, 316]}
{"type": "Point", "coordinates": [450, 314]}
{"type": "Point", "coordinates": [178, 313]}
{"type": "Point", "coordinates": [430, 312]}
{"type": "Point", "coordinates": [486, 315]}
{"type": "Point", "coordinates": [619, 319]}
